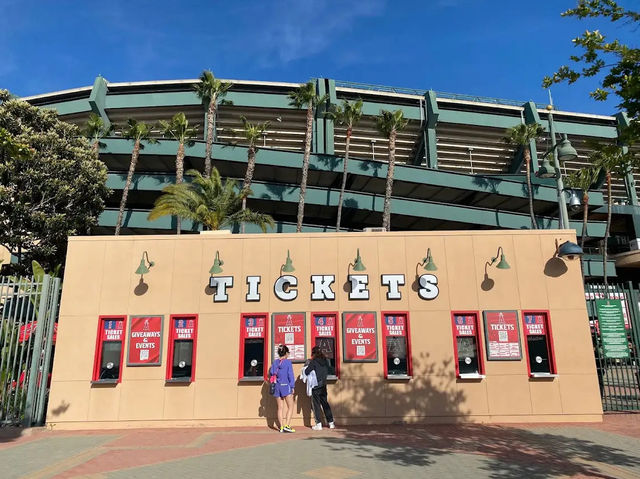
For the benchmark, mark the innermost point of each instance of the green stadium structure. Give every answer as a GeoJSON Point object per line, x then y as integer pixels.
{"type": "Point", "coordinates": [454, 170]}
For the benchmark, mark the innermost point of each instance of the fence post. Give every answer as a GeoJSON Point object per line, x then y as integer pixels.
{"type": "Point", "coordinates": [37, 353]}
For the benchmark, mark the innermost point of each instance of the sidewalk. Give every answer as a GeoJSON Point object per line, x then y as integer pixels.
{"type": "Point", "coordinates": [607, 450]}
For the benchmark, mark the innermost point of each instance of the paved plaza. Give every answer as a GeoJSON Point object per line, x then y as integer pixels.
{"type": "Point", "coordinates": [607, 450]}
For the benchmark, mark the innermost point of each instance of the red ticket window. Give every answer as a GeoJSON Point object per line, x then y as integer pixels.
{"type": "Point", "coordinates": [253, 350]}
{"type": "Point", "coordinates": [396, 344]}
{"type": "Point", "coordinates": [539, 343]}
{"type": "Point", "coordinates": [181, 365]}
{"type": "Point", "coordinates": [324, 334]}
{"type": "Point", "coordinates": [466, 344]}
{"type": "Point", "coordinates": [107, 365]}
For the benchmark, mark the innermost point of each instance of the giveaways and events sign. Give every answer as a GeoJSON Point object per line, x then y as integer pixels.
{"type": "Point", "coordinates": [145, 341]}
{"type": "Point", "coordinates": [502, 335]}
{"type": "Point", "coordinates": [360, 336]}
{"type": "Point", "coordinates": [289, 329]}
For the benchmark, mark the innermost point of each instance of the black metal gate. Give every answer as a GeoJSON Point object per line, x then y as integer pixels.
{"type": "Point", "coordinates": [618, 377]}
{"type": "Point", "coordinates": [28, 320]}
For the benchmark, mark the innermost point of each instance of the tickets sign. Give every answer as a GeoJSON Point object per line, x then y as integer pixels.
{"type": "Point", "coordinates": [253, 327]}
{"type": "Point", "coordinates": [184, 329]}
{"type": "Point", "coordinates": [502, 335]}
{"type": "Point", "coordinates": [465, 324]}
{"type": "Point", "coordinates": [360, 337]}
{"type": "Point", "coordinates": [112, 330]}
{"type": "Point", "coordinates": [535, 325]}
{"type": "Point", "coordinates": [145, 341]}
{"type": "Point", "coordinates": [289, 329]}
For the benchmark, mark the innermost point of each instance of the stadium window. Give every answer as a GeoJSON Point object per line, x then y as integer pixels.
{"type": "Point", "coordinates": [253, 353]}
{"type": "Point", "coordinates": [324, 334]}
{"type": "Point", "coordinates": [539, 343]}
{"type": "Point", "coordinates": [107, 365]}
{"type": "Point", "coordinates": [466, 345]}
{"type": "Point", "coordinates": [182, 348]}
{"type": "Point", "coordinates": [396, 345]}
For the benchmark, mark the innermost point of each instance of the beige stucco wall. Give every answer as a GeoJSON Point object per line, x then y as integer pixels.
{"type": "Point", "coordinates": [100, 280]}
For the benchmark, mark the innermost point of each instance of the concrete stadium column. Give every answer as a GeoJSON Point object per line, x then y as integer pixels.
{"type": "Point", "coordinates": [432, 114]}
{"type": "Point", "coordinates": [531, 117]}
{"type": "Point", "coordinates": [629, 181]}
{"type": "Point", "coordinates": [97, 99]}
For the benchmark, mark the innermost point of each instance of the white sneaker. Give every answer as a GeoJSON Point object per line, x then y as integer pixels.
{"type": "Point", "coordinates": [317, 427]}
{"type": "Point", "coordinates": [332, 425]}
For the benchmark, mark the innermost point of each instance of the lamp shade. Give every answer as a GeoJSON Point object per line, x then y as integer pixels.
{"type": "Point", "coordinates": [142, 269]}
{"type": "Point", "coordinates": [569, 250]}
{"type": "Point", "coordinates": [546, 170]}
{"type": "Point", "coordinates": [503, 263]}
{"type": "Point", "coordinates": [358, 265]}
{"type": "Point", "coordinates": [288, 264]}
{"type": "Point", "coordinates": [429, 265]}
{"type": "Point", "coordinates": [566, 152]}
{"type": "Point", "coordinates": [217, 265]}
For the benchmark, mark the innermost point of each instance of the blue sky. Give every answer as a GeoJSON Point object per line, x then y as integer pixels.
{"type": "Point", "coordinates": [491, 48]}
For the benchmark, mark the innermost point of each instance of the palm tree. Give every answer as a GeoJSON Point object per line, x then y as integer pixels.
{"type": "Point", "coordinates": [521, 136]}
{"type": "Point", "coordinates": [252, 133]}
{"type": "Point", "coordinates": [210, 90]}
{"type": "Point", "coordinates": [611, 159]}
{"type": "Point", "coordinates": [348, 114]}
{"type": "Point", "coordinates": [583, 179]}
{"type": "Point", "coordinates": [389, 123]}
{"type": "Point", "coordinates": [137, 131]}
{"type": "Point", "coordinates": [178, 129]}
{"type": "Point", "coordinates": [95, 130]}
{"type": "Point", "coordinates": [305, 96]}
{"type": "Point", "coordinates": [212, 202]}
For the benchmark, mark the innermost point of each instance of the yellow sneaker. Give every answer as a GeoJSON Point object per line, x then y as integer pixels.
{"type": "Point", "coordinates": [288, 428]}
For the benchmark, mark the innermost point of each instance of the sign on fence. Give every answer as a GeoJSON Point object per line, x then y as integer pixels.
{"type": "Point", "coordinates": [612, 328]}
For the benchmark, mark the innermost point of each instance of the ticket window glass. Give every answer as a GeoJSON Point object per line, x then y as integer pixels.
{"type": "Point", "coordinates": [253, 334]}
{"type": "Point", "coordinates": [397, 353]}
{"type": "Point", "coordinates": [538, 343]}
{"type": "Point", "coordinates": [324, 334]}
{"type": "Point", "coordinates": [467, 345]}
{"type": "Point", "coordinates": [182, 348]}
{"type": "Point", "coordinates": [109, 349]}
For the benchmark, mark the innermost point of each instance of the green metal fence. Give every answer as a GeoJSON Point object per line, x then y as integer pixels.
{"type": "Point", "coordinates": [28, 325]}
{"type": "Point", "coordinates": [616, 348]}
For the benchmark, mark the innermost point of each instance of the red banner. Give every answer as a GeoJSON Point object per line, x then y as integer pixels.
{"type": "Point", "coordinates": [145, 341]}
{"type": "Point", "coordinates": [184, 329]}
{"type": "Point", "coordinates": [324, 326]}
{"type": "Point", "coordinates": [112, 329]}
{"type": "Point", "coordinates": [502, 335]}
{"type": "Point", "coordinates": [288, 329]}
{"type": "Point", "coordinates": [465, 324]}
{"type": "Point", "coordinates": [253, 327]}
{"type": "Point", "coordinates": [360, 337]}
{"type": "Point", "coordinates": [395, 325]}
{"type": "Point", "coordinates": [535, 324]}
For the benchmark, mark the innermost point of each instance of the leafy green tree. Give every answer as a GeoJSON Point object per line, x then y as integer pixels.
{"type": "Point", "coordinates": [252, 132]}
{"type": "Point", "coordinates": [210, 90]}
{"type": "Point", "coordinates": [212, 202]}
{"type": "Point", "coordinates": [347, 114]}
{"type": "Point", "coordinates": [616, 65]}
{"type": "Point", "coordinates": [307, 97]}
{"type": "Point", "coordinates": [137, 131]}
{"type": "Point", "coordinates": [611, 159]}
{"type": "Point", "coordinates": [583, 180]}
{"type": "Point", "coordinates": [95, 130]}
{"type": "Point", "coordinates": [178, 129]}
{"type": "Point", "coordinates": [389, 123]}
{"type": "Point", "coordinates": [56, 191]}
{"type": "Point", "coordinates": [521, 136]}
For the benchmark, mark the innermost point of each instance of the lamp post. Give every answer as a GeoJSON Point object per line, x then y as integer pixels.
{"type": "Point", "coordinates": [565, 152]}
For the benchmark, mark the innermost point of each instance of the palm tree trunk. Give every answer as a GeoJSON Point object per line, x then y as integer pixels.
{"type": "Point", "coordinates": [127, 185]}
{"type": "Point", "coordinates": [344, 177]}
{"type": "Point", "coordinates": [305, 167]}
{"type": "Point", "coordinates": [386, 214]}
{"type": "Point", "coordinates": [96, 147]}
{"type": "Point", "coordinates": [248, 177]}
{"type": "Point", "coordinates": [527, 163]}
{"type": "Point", "coordinates": [211, 113]}
{"type": "Point", "coordinates": [606, 237]}
{"type": "Point", "coordinates": [585, 215]}
{"type": "Point", "coordinates": [179, 176]}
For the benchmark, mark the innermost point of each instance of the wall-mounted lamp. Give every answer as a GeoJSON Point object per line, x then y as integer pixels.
{"type": "Point", "coordinates": [217, 265]}
{"type": "Point", "coordinates": [143, 268]}
{"type": "Point", "coordinates": [287, 267]}
{"type": "Point", "coordinates": [357, 264]}
{"type": "Point", "coordinates": [568, 250]}
{"type": "Point", "coordinates": [427, 263]}
{"type": "Point", "coordinates": [503, 262]}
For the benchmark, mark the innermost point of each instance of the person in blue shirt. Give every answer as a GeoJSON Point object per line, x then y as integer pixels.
{"type": "Point", "coordinates": [285, 383]}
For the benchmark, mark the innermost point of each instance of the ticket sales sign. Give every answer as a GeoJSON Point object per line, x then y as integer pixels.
{"type": "Point", "coordinates": [145, 341]}
{"type": "Point", "coordinates": [289, 329]}
{"type": "Point", "coordinates": [502, 335]}
{"type": "Point", "coordinates": [535, 325]}
{"type": "Point", "coordinates": [360, 336]}
{"type": "Point", "coordinates": [112, 330]}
